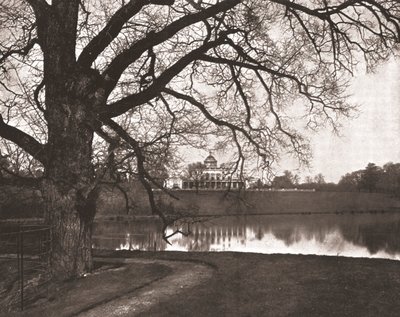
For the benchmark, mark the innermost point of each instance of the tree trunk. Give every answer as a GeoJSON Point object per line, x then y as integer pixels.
{"type": "Point", "coordinates": [71, 217]}
{"type": "Point", "coordinates": [69, 188]}
{"type": "Point", "coordinates": [72, 98]}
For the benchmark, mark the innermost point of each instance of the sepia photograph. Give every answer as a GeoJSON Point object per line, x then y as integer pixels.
{"type": "Point", "coordinates": [199, 158]}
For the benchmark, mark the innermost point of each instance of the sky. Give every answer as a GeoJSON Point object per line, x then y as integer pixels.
{"type": "Point", "coordinates": [372, 135]}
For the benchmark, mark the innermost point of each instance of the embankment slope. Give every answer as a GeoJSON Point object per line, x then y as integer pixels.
{"type": "Point", "coordinates": [249, 202]}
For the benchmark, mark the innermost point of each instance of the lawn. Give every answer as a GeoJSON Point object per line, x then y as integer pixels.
{"type": "Point", "coordinates": [286, 285]}
{"type": "Point", "coordinates": [240, 284]}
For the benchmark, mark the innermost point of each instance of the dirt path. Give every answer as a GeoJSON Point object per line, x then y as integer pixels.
{"type": "Point", "coordinates": [185, 276]}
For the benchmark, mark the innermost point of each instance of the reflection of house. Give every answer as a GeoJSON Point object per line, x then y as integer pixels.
{"type": "Point", "coordinates": [210, 176]}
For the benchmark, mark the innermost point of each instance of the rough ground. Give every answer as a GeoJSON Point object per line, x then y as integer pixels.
{"type": "Point", "coordinates": [230, 284]}
{"type": "Point", "coordinates": [185, 275]}
{"type": "Point", "coordinates": [107, 283]}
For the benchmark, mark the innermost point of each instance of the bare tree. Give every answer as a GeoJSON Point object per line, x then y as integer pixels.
{"type": "Point", "coordinates": [319, 179]}
{"type": "Point", "coordinates": [195, 173]}
{"type": "Point", "coordinates": [146, 72]}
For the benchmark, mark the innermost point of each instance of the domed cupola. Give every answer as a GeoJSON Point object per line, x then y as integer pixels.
{"type": "Point", "coordinates": [210, 162]}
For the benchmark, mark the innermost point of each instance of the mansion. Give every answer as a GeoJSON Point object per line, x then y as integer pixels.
{"type": "Point", "coordinates": [209, 176]}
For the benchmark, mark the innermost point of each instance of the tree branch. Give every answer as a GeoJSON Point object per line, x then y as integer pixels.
{"type": "Point", "coordinates": [24, 141]}
{"type": "Point", "coordinates": [40, 8]}
{"type": "Point", "coordinates": [22, 51]}
{"type": "Point", "coordinates": [112, 29]}
{"type": "Point", "coordinates": [321, 13]}
{"type": "Point", "coordinates": [216, 121]}
{"type": "Point", "coordinates": [128, 56]}
{"type": "Point", "coordinates": [140, 164]}
{"type": "Point", "coordinates": [37, 3]}
{"type": "Point", "coordinates": [119, 107]}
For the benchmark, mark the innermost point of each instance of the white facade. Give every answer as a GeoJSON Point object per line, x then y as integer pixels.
{"type": "Point", "coordinates": [212, 177]}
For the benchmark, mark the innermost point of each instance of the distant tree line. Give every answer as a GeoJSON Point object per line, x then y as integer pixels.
{"type": "Point", "coordinates": [372, 178]}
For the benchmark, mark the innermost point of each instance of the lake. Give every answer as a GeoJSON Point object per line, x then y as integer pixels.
{"type": "Point", "coordinates": [372, 235]}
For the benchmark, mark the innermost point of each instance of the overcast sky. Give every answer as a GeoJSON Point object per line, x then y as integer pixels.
{"type": "Point", "coordinates": [374, 136]}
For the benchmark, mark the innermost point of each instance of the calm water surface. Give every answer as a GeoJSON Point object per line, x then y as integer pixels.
{"type": "Point", "coordinates": [353, 235]}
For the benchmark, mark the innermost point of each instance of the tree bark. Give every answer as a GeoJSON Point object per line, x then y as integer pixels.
{"type": "Point", "coordinates": [69, 188]}
{"type": "Point", "coordinates": [70, 193]}
{"type": "Point", "coordinates": [72, 96]}
{"type": "Point", "coordinates": [70, 218]}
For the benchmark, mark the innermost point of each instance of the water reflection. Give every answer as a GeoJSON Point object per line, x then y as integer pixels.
{"type": "Point", "coordinates": [358, 235]}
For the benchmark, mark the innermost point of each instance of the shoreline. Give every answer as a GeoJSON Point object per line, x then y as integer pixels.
{"type": "Point", "coordinates": [283, 213]}
{"type": "Point", "coordinates": [118, 217]}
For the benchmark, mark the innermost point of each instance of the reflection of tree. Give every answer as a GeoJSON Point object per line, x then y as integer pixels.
{"type": "Point", "coordinates": [288, 235]}
{"type": "Point", "coordinates": [143, 234]}
{"type": "Point", "coordinates": [207, 234]}
{"type": "Point", "coordinates": [259, 234]}
{"type": "Point", "coordinates": [376, 238]}
{"type": "Point", "coordinates": [374, 232]}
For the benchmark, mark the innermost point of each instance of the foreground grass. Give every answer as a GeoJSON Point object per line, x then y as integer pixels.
{"type": "Point", "coordinates": [244, 284]}
{"type": "Point", "coordinates": [286, 285]}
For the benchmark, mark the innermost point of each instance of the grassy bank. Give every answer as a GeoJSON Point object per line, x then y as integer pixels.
{"type": "Point", "coordinates": [19, 203]}
{"type": "Point", "coordinates": [255, 202]}
{"type": "Point", "coordinates": [246, 285]}
{"type": "Point", "coordinates": [285, 285]}
{"type": "Point", "coordinates": [212, 202]}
